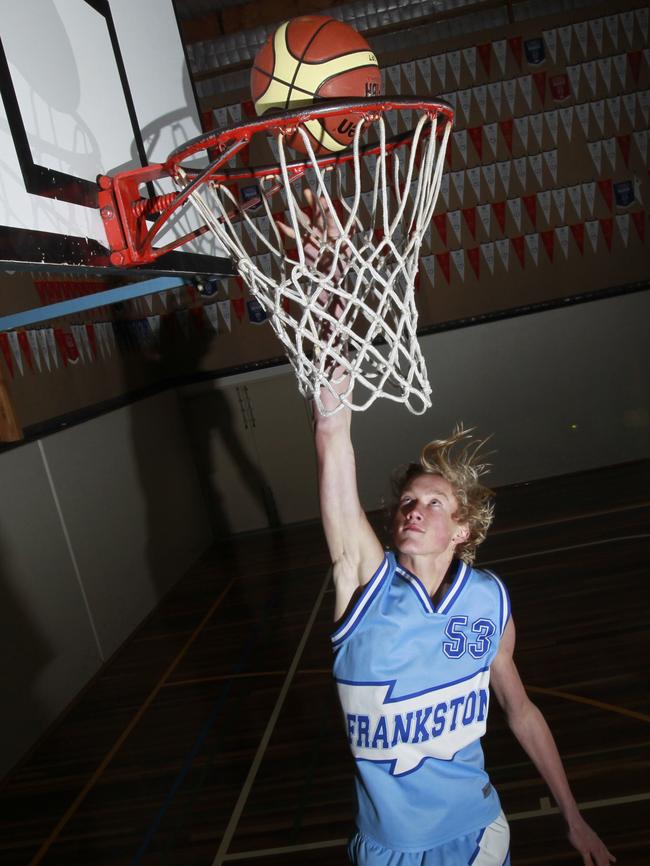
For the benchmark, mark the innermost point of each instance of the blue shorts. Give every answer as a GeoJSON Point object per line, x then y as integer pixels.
{"type": "Point", "coordinates": [487, 847]}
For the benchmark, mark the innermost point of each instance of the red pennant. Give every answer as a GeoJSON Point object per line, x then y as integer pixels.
{"type": "Point", "coordinates": [506, 131]}
{"type": "Point", "coordinates": [605, 187]}
{"type": "Point", "coordinates": [476, 134]}
{"type": "Point", "coordinates": [248, 109]}
{"type": "Point", "coordinates": [518, 244]}
{"type": "Point", "coordinates": [286, 304]}
{"type": "Point", "coordinates": [443, 261]}
{"type": "Point", "coordinates": [548, 239]}
{"type": "Point", "coordinates": [41, 288]}
{"type": "Point", "coordinates": [6, 351]}
{"type": "Point", "coordinates": [475, 261]}
{"type": "Point", "coordinates": [24, 345]}
{"type": "Point", "coordinates": [207, 120]}
{"type": "Point", "coordinates": [624, 144]}
{"type": "Point", "coordinates": [240, 284]}
{"type": "Point", "coordinates": [90, 330]}
{"type": "Point", "coordinates": [540, 83]}
{"type": "Point", "coordinates": [515, 44]}
{"type": "Point", "coordinates": [530, 203]}
{"type": "Point", "coordinates": [440, 219]}
{"type": "Point", "coordinates": [378, 235]}
{"type": "Point", "coordinates": [634, 59]}
{"type": "Point", "coordinates": [607, 226]}
{"type": "Point", "coordinates": [238, 305]}
{"type": "Point", "coordinates": [67, 346]}
{"type": "Point", "coordinates": [578, 232]}
{"type": "Point", "coordinates": [199, 318]}
{"type": "Point", "coordinates": [639, 222]}
{"type": "Point", "coordinates": [485, 53]}
{"type": "Point", "coordinates": [499, 208]}
{"type": "Point", "coordinates": [416, 282]}
{"type": "Point", "coordinates": [470, 218]}
{"type": "Point", "coordinates": [448, 157]}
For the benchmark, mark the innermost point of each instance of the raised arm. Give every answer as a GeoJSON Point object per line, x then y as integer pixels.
{"type": "Point", "coordinates": [531, 730]}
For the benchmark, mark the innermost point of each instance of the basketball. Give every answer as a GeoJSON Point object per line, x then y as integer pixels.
{"type": "Point", "coordinates": [310, 58]}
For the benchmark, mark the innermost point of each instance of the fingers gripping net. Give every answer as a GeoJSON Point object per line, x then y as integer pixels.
{"type": "Point", "coordinates": [341, 298]}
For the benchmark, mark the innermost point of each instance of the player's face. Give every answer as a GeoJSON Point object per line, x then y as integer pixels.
{"type": "Point", "coordinates": [424, 522]}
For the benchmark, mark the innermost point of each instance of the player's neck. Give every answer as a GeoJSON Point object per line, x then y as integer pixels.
{"type": "Point", "coordinates": [431, 569]}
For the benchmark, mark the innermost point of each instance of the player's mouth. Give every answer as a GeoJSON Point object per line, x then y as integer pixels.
{"type": "Point", "coordinates": [411, 527]}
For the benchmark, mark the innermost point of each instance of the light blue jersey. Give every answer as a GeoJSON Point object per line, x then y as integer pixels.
{"type": "Point", "coordinates": [413, 682]}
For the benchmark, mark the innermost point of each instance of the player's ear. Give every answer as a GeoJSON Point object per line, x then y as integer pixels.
{"type": "Point", "coordinates": [462, 533]}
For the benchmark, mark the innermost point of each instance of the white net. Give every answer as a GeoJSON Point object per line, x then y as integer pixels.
{"type": "Point", "coordinates": [342, 300]}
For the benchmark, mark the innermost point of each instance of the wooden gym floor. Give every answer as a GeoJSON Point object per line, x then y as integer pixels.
{"type": "Point", "coordinates": [213, 736]}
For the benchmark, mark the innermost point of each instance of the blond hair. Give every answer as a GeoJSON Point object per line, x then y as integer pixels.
{"type": "Point", "coordinates": [458, 460]}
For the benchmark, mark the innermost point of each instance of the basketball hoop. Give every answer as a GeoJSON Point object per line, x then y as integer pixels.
{"type": "Point", "coordinates": [344, 303]}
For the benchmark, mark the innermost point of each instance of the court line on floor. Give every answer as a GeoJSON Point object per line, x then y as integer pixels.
{"type": "Point", "coordinates": [266, 736]}
{"type": "Point", "coordinates": [543, 812]}
{"type": "Point", "coordinates": [90, 784]}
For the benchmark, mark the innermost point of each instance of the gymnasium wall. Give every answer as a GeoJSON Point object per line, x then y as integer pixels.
{"type": "Point", "coordinates": [96, 524]}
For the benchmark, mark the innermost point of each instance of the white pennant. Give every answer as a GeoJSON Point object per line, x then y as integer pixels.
{"type": "Point", "coordinates": [609, 146]}
{"type": "Point", "coordinates": [565, 39]}
{"type": "Point", "coordinates": [395, 77]}
{"type": "Point", "coordinates": [544, 201]}
{"type": "Point", "coordinates": [212, 315]}
{"type": "Point", "coordinates": [582, 110]}
{"type": "Point", "coordinates": [408, 69]}
{"type": "Point", "coordinates": [458, 258]}
{"type": "Point", "coordinates": [536, 164]}
{"type": "Point", "coordinates": [537, 125]}
{"type": "Point", "coordinates": [642, 21]}
{"type": "Point", "coordinates": [526, 85]}
{"type": "Point", "coordinates": [469, 56]}
{"type": "Point", "coordinates": [465, 102]}
{"type": "Point", "coordinates": [559, 199]}
{"type": "Point", "coordinates": [550, 38]}
{"type": "Point", "coordinates": [605, 68]}
{"type": "Point", "coordinates": [42, 340]}
{"type": "Point", "coordinates": [454, 62]}
{"type": "Point", "coordinates": [474, 175]}
{"type": "Point", "coordinates": [591, 228]}
{"type": "Point", "coordinates": [614, 106]}
{"type": "Point", "coordinates": [520, 169]}
{"type": "Point", "coordinates": [521, 125]}
{"type": "Point", "coordinates": [514, 206]}
{"type": "Point", "coordinates": [620, 65]}
{"type": "Point", "coordinates": [532, 242]}
{"type": "Point", "coordinates": [580, 30]}
{"type": "Point", "coordinates": [15, 351]}
{"type": "Point", "coordinates": [440, 65]}
{"type": "Point", "coordinates": [623, 225]}
{"type": "Point", "coordinates": [444, 189]}
{"type": "Point", "coordinates": [101, 340]}
{"type": "Point", "coordinates": [641, 140]}
{"type": "Point", "coordinates": [51, 345]}
{"type": "Point", "coordinates": [550, 158]}
{"type": "Point", "coordinates": [510, 90]}
{"type": "Point", "coordinates": [589, 70]}
{"type": "Point", "coordinates": [154, 327]}
{"type": "Point", "coordinates": [429, 263]}
{"type": "Point", "coordinates": [574, 77]}
{"type": "Point", "coordinates": [226, 313]}
{"type": "Point", "coordinates": [598, 108]}
{"type": "Point", "coordinates": [566, 116]}
{"type": "Point", "coordinates": [220, 116]}
{"type": "Point", "coordinates": [575, 199]}
{"type": "Point", "coordinates": [458, 179]}
{"type": "Point", "coordinates": [480, 95]}
{"type": "Point", "coordinates": [489, 176]}
{"type": "Point", "coordinates": [499, 48]}
{"type": "Point", "coordinates": [85, 339]}
{"type": "Point", "coordinates": [611, 22]}
{"type": "Point", "coordinates": [629, 101]}
{"type": "Point", "coordinates": [491, 131]}
{"type": "Point", "coordinates": [551, 122]}
{"type": "Point", "coordinates": [424, 67]}
{"type": "Point", "coordinates": [454, 221]}
{"type": "Point", "coordinates": [460, 140]}
{"type": "Point", "coordinates": [485, 214]}
{"type": "Point", "coordinates": [503, 168]}
{"type": "Point", "coordinates": [76, 336]}
{"type": "Point", "coordinates": [32, 339]}
{"type": "Point", "coordinates": [589, 191]}
{"type": "Point", "coordinates": [562, 234]}
{"type": "Point", "coordinates": [644, 103]}
{"type": "Point", "coordinates": [488, 254]}
{"type": "Point", "coordinates": [503, 246]}
{"type": "Point", "coordinates": [595, 149]}
{"type": "Point", "coordinates": [494, 89]}
{"type": "Point", "coordinates": [596, 27]}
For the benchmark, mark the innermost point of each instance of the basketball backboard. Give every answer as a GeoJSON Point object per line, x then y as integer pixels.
{"type": "Point", "coordinates": [89, 87]}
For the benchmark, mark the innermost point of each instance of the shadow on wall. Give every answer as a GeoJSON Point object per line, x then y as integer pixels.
{"type": "Point", "coordinates": [25, 654]}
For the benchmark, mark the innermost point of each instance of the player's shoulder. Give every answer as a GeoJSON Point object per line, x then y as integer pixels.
{"type": "Point", "coordinates": [494, 585]}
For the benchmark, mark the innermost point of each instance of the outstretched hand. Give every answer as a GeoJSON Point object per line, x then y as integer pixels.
{"type": "Point", "coordinates": [318, 228]}
{"type": "Point", "coordinates": [589, 844]}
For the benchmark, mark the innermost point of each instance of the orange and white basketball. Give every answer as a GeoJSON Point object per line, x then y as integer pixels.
{"type": "Point", "coordinates": [310, 58]}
